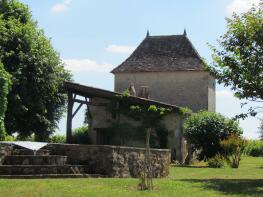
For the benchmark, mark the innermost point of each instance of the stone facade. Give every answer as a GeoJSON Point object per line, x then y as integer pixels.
{"type": "Point", "coordinates": [102, 119]}
{"type": "Point", "coordinates": [193, 89]}
{"type": "Point", "coordinates": [113, 161]}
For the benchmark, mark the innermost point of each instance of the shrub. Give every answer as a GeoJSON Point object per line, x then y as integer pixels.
{"type": "Point", "coordinates": [57, 139]}
{"type": "Point", "coordinates": [254, 148]}
{"type": "Point", "coordinates": [30, 138]}
{"type": "Point", "coordinates": [10, 138]}
{"type": "Point", "coordinates": [204, 130]}
{"type": "Point", "coordinates": [216, 161]}
{"type": "Point", "coordinates": [234, 147]}
{"type": "Point", "coordinates": [80, 135]}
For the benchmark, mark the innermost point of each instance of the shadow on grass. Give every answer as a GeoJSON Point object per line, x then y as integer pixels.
{"type": "Point", "coordinates": [232, 186]}
{"type": "Point", "coordinates": [186, 166]}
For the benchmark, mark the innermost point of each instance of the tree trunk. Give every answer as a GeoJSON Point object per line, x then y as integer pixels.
{"type": "Point", "coordinates": [148, 167]}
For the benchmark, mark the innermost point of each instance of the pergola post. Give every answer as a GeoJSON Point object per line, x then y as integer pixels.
{"type": "Point", "coordinates": [69, 117]}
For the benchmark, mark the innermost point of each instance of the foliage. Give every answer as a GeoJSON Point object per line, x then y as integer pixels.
{"type": "Point", "coordinates": [185, 111]}
{"type": "Point", "coordinates": [31, 138]}
{"type": "Point", "coordinates": [238, 63]}
{"type": "Point", "coordinates": [37, 100]}
{"type": "Point", "coordinates": [142, 184]}
{"type": "Point", "coordinates": [234, 147]}
{"type": "Point", "coordinates": [254, 148]}
{"type": "Point", "coordinates": [149, 116]}
{"type": "Point", "coordinates": [57, 139]}
{"type": "Point", "coordinates": [204, 130]}
{"type": "Point", "coordinates": [5, 83]}
{"type": "Point", "coordinates": [10, 138]}
{"type": "Point", "coordinates": [80, 135]}
{"type": "Point", "coordinates": [216, 162]}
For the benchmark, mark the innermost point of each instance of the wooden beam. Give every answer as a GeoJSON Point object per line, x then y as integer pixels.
{"type": "Point", "coordinates": [80, 105]}
{"type": "Point", "coordinates": [69, 117]}
{"type": "Point", "coordinates": [88, 103]}
{"type": "Point", "coordinates": [80, 101]}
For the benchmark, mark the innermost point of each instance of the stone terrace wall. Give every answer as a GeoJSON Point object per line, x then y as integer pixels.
{"type": "Point", "coordinates": [113, 161]}
{"type": "Point", "coordinates": [5, 149]}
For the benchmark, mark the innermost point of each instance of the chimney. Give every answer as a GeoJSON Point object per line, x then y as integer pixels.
{"type": "Point", "coordinates": [144, 92]}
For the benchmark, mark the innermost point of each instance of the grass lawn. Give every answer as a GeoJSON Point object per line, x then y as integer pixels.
{"type": "Point", "coordinates": [193, 181]}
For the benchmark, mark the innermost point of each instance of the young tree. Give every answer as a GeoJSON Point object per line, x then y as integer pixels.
{"type": "Point", "coordinates": [234, 147]}
{"type": "Point", "coordinates": [239, 61]}
{"type": "Point", "coordinates": [36, 101]}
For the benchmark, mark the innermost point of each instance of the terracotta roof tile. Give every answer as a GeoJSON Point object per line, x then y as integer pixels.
{"type": "Point", "coordinates": [162, 53]}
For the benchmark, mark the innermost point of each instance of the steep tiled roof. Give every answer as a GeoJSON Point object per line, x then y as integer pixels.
{"type": "Point", "coordinates": [162, 53]}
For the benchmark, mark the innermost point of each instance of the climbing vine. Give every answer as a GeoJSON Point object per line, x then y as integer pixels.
{"type": "Point", "coordinates": [5, 83]}
{"type": "Point", "coordinates": [149, 116]}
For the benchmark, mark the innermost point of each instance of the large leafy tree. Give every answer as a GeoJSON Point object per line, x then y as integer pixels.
{"type": "Point", "coordinates": [5, 84]}
{"type": "Point", "coordinates": [239, 61]}
{"type": "Point", "coordinates": [36, 101]}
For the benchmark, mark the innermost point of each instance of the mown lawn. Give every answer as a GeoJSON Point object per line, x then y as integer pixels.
{"type": "Point", "coordinates": [193, 181]}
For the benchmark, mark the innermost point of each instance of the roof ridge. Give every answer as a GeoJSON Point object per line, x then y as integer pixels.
{"type": "Point", "coordinates": [165, 35]}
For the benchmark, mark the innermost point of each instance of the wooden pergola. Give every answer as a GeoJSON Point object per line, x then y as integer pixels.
{"type": "Point", "coordinates": [76, 91]}
{"type": "Point", "coordinates": [70, 115]}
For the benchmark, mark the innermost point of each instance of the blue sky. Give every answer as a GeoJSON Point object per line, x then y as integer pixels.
{"type": "Point", "coordinates": [94, 36]}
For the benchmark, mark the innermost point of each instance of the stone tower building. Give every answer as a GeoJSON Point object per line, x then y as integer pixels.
{"type": "Point", "coordinates": [167, 69]}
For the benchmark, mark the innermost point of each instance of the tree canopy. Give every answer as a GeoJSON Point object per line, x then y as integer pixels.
{"type": "Point", "coordinates": [238, 62]}
{"type": "Point", "coordinates": [37, 99]}
{"type": "Point", "coordinates": [5, 83]}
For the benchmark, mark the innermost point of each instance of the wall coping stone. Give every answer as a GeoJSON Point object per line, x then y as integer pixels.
{"type": "Point", "coordinates": [110, 146]}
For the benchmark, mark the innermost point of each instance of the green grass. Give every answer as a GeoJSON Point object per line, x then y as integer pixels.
{"type": "Point", "coordinates": [193, 181]}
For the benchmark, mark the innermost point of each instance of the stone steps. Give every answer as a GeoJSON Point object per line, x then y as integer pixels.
{"type": "Point", "coordinates": [42, 169]}
{"type": "Point", "coordinates": [40, 176]}
{"type": "Point", "coordinates": [35, 160]}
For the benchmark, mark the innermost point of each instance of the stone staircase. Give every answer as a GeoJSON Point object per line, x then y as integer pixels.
{"type": "Point", "coordinates": [24, 163]}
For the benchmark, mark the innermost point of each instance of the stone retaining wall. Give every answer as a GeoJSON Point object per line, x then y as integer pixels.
{"type": "Point", "coordinates": [5, 149]}
{"type": "Point", "coordinates": [113, 161]}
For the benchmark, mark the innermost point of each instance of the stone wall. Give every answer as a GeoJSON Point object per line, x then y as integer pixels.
{"type": "Point", "coordinates": [193, 89]}
{"type": "Point", "coordinates": [113, 161]}
{"type": "Point", "coordinates": [5, 150]}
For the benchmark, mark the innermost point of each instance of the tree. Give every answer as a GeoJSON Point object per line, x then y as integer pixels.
{"type": "Point", "coordinates": [239, 61]}
{"type": "Point", "coordinates": [37, 99]}
{"type": "Point", "coordinates": [5, 84]}
{"type": "Point", "coordinates": [234, 147]}
{"type": "Point", "coordinates": [204, 130]}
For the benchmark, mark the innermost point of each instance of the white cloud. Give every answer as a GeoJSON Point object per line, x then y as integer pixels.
{"type": "Point", "coordinates": [60, 7]}
{"type": "Point", "coordinates": [240, 6]}
{"type": "Point", "coordinates": [86, 65]}
{"type": "Point", "coordinates": [224, 93]}
{"type": "Point", "coordinates": [120, 49]}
